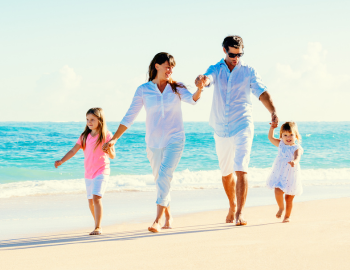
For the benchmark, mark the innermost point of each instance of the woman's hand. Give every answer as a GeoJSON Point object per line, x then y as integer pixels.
{"type": "Point", "coordinates": [58, 163]}
{"type": "Point", "coordinates": [107, 145]}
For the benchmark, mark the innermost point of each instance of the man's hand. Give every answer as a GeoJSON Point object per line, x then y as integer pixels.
{"type": "Point", "coordinates": [107, 145]}
{"type": "Point", "coordinates": [58, 163]}
{"type": "Point", "coordinates": [274, 119]}
{"type": "Point", "coordinates": [202, 81]}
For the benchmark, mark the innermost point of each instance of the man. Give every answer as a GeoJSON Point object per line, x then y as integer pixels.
{"type": "Point", "coordinates": [231, 118]}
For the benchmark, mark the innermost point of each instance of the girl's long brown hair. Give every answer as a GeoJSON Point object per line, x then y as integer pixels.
{"type": "Point", "coordinates": [161, 58]}
{"type": "Point", "coordinates": [102, 128]}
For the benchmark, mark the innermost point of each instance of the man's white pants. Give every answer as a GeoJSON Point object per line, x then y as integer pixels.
{"type": "Point", "coordinates": [164, 162]}
{"type": "Point", "coordinates": [234, 152]}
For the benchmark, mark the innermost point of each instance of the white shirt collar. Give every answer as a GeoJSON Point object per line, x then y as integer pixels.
{"type": "Point", "coordinates": [240, 63]}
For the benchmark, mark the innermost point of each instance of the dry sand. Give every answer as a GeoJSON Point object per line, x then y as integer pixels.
{"type": "Point", "coordinates": [317, 238]}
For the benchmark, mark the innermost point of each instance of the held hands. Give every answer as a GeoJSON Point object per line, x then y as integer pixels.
{"type": "Point", "coordinates": [58, 163]}
{"type": "Point", "coordinates": [202, 81]}
{"type": "Point", "coordinates": [107, 145]}
{"type": "Point", "coordinates": [274, 120]}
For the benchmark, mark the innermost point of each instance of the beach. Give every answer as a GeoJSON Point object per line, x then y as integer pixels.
{"type": "Point", "coordinates": [317, 238]}
{"type": "Point", "coordinates": [44, 210]}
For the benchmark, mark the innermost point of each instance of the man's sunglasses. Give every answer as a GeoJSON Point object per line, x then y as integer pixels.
{"type": "Point", "coordinates": [234, 55]}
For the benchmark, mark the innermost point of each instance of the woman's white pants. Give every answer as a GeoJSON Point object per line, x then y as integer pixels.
{"type": "Point", "coordinates": [164, 162]}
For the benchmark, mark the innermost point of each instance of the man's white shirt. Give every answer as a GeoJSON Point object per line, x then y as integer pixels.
{"type": "Point", "coordinates": [164, 124]}
{"type": "Point", "coordinates": [231, 109]}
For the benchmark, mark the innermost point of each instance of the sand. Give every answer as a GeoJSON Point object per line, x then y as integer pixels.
{"type": "Point", "coordinates": [317, 238]}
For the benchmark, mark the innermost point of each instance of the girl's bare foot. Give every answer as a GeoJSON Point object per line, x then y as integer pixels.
{"type": "Point", "coordinates": [168, 222]}
{"type": "Point", "coordinates": [286, 219]}
{"type": "Point", "coordinates": [97, 231]}
{"type": "Point", "coordinates": [230, 216]}
{"type": "Point", "coordinates": [279, 213]}
{"type": "Point", "coordinates": [155, 228]}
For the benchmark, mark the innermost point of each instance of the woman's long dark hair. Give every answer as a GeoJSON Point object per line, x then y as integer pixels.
{"type": "Point", "coordinates": [161, 58]}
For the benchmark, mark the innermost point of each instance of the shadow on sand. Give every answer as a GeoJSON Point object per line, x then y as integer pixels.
{"type": "Point", "coordinates": [69, 239]}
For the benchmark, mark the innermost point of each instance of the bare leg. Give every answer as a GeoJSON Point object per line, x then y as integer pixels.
{"type": "Point", "coordinates": [98, 210]}
{"type": "Point", "coordinates": [289, 206]}
{"type": "Point", "coordinates": [230, 189]}
{"type": "Point", "coordinates": [92, 207]}
{"type": "Point", "coordinates": [241, 193]}
{"type": "Point", "coordinates": [156, 224]}
{"type": "Point", "coordinates": [168, 219]}
{"type": "Point", "coordinates": [279, 199]}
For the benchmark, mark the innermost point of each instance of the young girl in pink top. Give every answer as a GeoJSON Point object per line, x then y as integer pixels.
{"type": "Point", "coordinates": [96, 161]}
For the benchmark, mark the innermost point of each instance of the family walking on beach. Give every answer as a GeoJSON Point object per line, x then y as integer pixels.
{"type": "Point", "coordinates": [230, 117]}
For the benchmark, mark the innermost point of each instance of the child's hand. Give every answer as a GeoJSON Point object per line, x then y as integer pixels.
{"type": "Point", "coordinates": [58, 163]}
{"type": "Point", "coordinates": [292, 163]}
{"type": "Point", "coordinates": [107, 145]}
{"type": "Point", "coordinates": [274, 125]}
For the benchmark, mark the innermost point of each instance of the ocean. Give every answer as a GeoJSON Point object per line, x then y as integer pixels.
{"type": "Point", "coordinates": [28, 151]}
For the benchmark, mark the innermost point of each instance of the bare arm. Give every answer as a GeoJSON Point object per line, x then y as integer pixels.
{"type": "Point", "coordinates": [197, 94]}
{"type": "Point", "coordinates": [273, 140]}
{"type": "Point", "coordinates": [297, 156]}
{"type": "Point", "coordinates": [111, 152]}
{"type": "Point", "coordinates": [120, 131]}
{"type": "Point", "coordinates": [265, 98]}
{"type": "Point", "coordinates": [68, 156]}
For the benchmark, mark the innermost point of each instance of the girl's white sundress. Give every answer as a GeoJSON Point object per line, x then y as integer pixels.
{"type": "Point", "coordinates": [283, 175]}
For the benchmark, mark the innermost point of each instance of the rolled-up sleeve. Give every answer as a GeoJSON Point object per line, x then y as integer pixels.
{"type": "Point", "coordinates": [186, 96]}
{"type": "Point", "coordinates": [135, 108]}
{"type": "Point", "coordinates": [211, 74]}
{"type": "Point", "coordinates": [256, 84]}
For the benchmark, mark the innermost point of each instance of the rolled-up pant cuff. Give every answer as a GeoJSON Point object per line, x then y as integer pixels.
{"type": "Point", "coordinates": [164, 203]}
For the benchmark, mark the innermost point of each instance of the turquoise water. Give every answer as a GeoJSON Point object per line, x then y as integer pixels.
{"type": "Point", "coordinates": [28, 151]}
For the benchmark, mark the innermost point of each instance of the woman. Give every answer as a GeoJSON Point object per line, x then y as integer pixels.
{"type": "Point", "coordinates": [165, 136]}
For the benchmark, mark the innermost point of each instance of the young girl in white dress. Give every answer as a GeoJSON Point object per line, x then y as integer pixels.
{"type": "Point", "coordinates": [285, 177]}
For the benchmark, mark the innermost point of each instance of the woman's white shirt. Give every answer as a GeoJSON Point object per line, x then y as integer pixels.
{"type": "Point", "coordinates": [164, 124]}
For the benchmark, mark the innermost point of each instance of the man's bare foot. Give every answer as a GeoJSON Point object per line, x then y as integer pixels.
{"type": "Point", "coordinates": [240, 221]}
{"type": "Point", "coordinates": [97, 231]}
{"type": "Point", "coordinates": [279, 213]}
{"type": "Point", "coordinates": [155, 228]}
{"type": "Point", "coordinates": [286, 219]}
{"type": "Point", "coordinates": [168, 222]}
{"type": "Point", "coordinates": [230, 216]}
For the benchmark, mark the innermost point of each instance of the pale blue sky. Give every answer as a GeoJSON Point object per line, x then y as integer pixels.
{"type": "Point", "coordinates": [59, 58]}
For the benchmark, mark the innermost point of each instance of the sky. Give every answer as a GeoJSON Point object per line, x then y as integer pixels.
{"type": "Point", "coordinates": [60, 58]}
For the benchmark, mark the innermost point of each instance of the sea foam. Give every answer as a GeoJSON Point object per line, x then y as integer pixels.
{"type": "Point", "coordinates": [183, 180]}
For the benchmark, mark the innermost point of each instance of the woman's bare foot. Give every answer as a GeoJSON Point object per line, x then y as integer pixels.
{"type": "Point", "coordinates": [286, 219]}
{"type": "Point", "coordinates": [240, 221]}
{"type": "Point", "coordinates": [168, 222]}
{"type": "Point", "coordinates": [230, 216]}
{"type": "Point", "coordinates": [279, 213]}
{"type": "Point", "coordinates": [97, 231]}
{"type": "Point", "coordinates": [155, 228]}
